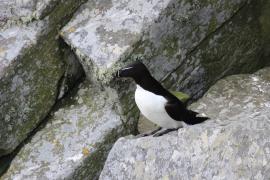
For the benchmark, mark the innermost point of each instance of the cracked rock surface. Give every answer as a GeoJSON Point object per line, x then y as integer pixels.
{"type": "Point", "coordinates": [76, 139]}
{"type": "Point", "coordinates": [31, 69]}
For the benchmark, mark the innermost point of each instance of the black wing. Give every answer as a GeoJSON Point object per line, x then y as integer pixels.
{"type": "Point", "coordinates": [178, 112]}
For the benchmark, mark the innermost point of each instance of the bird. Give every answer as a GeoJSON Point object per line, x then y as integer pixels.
{"type": "Point", "coordinates": [156, 103]}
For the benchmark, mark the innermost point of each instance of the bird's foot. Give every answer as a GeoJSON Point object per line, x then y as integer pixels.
{"type": "Point", "coordinates": [149, 133]}
{"type": "Point", "coordinates": [160, 133]}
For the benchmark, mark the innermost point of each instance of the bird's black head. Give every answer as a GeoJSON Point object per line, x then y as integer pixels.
{"type": "Point", "coordinates": [136, 71]}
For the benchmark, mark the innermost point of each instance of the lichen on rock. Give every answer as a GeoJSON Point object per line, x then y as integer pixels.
{"type": "Point", "coordinates": [31, 69]}
{"type": "Point", "coordinates": [76, 139]}
{"type": "Point", "coordinates": [264, 15]}
{"type": "Point", "coordinates": [24, 11]}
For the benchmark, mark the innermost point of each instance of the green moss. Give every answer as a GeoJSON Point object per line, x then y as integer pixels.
{"type": "Point", "coordinates": [237, 50]}
{"type": "Point", "coordinates": [41, 68]}
{"type": "Point", "coordinates": [212, 25]}
{"type": "Point", "coordinates": [45, 93]}
{"type": "Point", "coordinates": [93, 165]}
{"type": "Point", "coordinates": [63, 12]}
{"type": "Point", "coordinates": [170, 46]}
{"type": "Point", "coordinates": [265, 24]}
{"type": "Point", "coordinates": [181, 96]}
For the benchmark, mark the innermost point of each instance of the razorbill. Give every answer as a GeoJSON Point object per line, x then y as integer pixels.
{"type": "Point", "coordinates": [156, 103]}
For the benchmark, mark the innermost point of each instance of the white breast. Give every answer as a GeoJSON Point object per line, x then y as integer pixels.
{"type": "Point", "coordinates": [152, 106]}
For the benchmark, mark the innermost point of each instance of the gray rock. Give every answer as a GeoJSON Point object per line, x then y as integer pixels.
{"type": "Point", "coordinates": [235, 47]}
{"type": "Point", "coordinates": [103, 32]}
{"type": "Point", "coordinates": [187, 45]}
{"type": "Point", "coordinates": [172, 37]}
{"type": "Point", "coordinates": [144, 125]}
{"type": "Point", "coordinates": [233, 144]}
{"type": "Point", "coordinates": [265, 26]}
{"type": "Point", "coordinates": [76, 139]}
{"type": "Point", "coordinates": [23, 11]}
{"type": "Point", "coordinates": [182, 42]}
{"type": "Point", "coordinates": [31, 70]}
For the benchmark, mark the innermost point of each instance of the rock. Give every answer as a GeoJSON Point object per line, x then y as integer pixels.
{"type": "Point", "coordinates": [76, 139]}
{"type": "Point", "coordinates": [236, 47]}
{"type": "Point", "coordinates": [104, 32]}
{"type": "Point", "coordinates": [144, 125]}
{"type": "Point", "coordinates": [180, 41]}
{"type": "Point", "coordinates": [233, 144]}
{"type": "Point", "coordinates": [24, 11]}
{"type": "Point", "coordinates": [31, 67]}
{"type": "Point", "coordinates": [183, 43]}
{"type": "Point", "coordinates": [265, 26]}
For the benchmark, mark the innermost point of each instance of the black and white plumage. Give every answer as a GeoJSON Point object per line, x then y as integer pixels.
{"type": "Point", "coordinates": [156, 103]}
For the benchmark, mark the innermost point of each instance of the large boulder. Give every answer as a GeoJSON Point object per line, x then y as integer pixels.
{"type": "Point", "coordinates": [31, 65]}
{"type": "Point", "coordinates": [233, 144]}
{"type": "Point", "coordinates": [76, 139]}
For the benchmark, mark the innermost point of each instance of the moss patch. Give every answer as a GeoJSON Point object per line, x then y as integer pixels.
{"type": "Point", "coordinates": [39, 71]}
{"type": "Point", "coordinates": [181, 96]}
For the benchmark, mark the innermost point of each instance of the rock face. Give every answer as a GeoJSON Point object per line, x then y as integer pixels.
{"type": "Point", "coordinates": [181, 41]}
{"type": "Point", "coordinates": [105, 31]}
{"type": "Point", "coordinates": [23, 11]}
{"type": "Point", "coordinates": [75, 141]}
{"type": "Point", "coordinates": [31, 66]}
{"type": "Point", "coordinates": [234, 47]}
{"type": "Point", "coordinates": [265, 26]}
{"type": "Point", "coordinates": [233, 144]}
{"type": "Point", "coordinates": [188, 45]}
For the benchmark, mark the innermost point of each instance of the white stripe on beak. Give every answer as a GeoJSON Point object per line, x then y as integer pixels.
{"type": "Point", "coordinates": [126, 68]}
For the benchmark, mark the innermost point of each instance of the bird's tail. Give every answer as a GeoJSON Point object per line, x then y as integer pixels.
{"type": "Point", "coordinates": [194, 119]}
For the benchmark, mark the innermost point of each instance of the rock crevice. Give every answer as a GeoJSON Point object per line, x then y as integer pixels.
{"type": "Point", "coordinates": [31, 66]}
